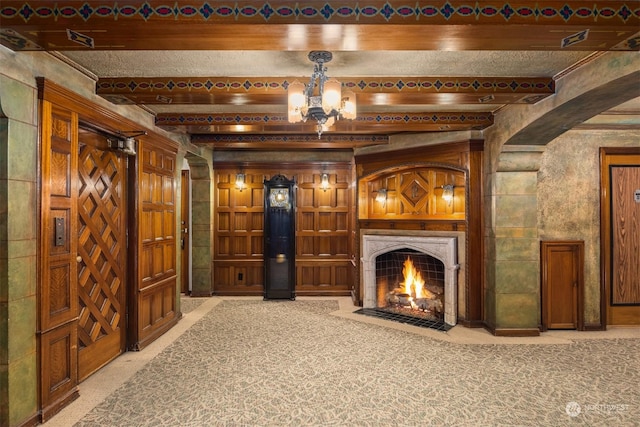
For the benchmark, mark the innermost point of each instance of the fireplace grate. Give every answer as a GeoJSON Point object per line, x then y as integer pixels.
{"type": "Point", "coordinates": [409, 320]}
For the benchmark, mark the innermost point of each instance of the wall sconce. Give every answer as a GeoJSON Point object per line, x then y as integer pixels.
{"type": "Point", "coordinates": [381, 197]}
{"type": "Point", "coordinates": [240, 181]}
{"type": "Point", "coordinates": [324, 182]}
{"type": "Point", "coordinates": [447, 193]}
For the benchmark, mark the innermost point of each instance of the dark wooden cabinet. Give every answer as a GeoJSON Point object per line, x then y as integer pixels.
{"type": "Point", "coordinates": [562, 284]}
{"type": "Point", "coordinates": [279, 238]}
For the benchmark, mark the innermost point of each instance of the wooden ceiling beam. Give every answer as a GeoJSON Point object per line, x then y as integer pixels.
{"type": "Point", "coordinates": [291, 25]}
{"type": "Point", "coordinates": [329, 140]}
{"type": "Point", "coordinates": [368, 123]}
{"type": "Point", "coordinates": [368, 90]}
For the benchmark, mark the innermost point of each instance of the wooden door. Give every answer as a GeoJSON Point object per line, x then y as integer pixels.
{"type": "Point", "coordinates": [185, 246]}
{"type": "Point", "coordinates": [101, 254]}
{"type": "Point", "coordinates": [562, 284]}
{"type": "Point", "coordinates": [154, 290]}
{"type": "Point", "coordinates": [621, 235]}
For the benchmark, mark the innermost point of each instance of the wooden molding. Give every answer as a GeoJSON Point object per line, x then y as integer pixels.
{"type": "Point", "coordinates": [98, 116]}
{"type": "Point", "coordinates": [594, 327]}
{"type": "Point", "coordinates": [514, 332]}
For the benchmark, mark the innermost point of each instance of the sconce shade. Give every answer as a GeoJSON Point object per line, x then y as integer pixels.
{"type": "Point", "coordinates": [447, 193]}
{"type": "Point", "coordinates": [381, 197]}
{"type": "Point", "coordinates": [240, 181]}
{"type": "Point", "coordinates": [297, 101]}
{"type": "Point", "coordinates": [349, 105]}
{"type": "Point", "coordinates": [331, 96]}
{"type": "Point", "coordinates": [324, 182]}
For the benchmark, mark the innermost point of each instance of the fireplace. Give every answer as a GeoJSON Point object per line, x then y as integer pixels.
{"type": "Point", "coordinates": [410, 283]}
{"type": "Point", "coordinates": [433, 258]}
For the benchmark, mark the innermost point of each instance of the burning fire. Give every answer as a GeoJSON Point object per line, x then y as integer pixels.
{"type": "Point", "coordinates": [422, 299]}
{"type": "Point", "coordinates": [413, 282]}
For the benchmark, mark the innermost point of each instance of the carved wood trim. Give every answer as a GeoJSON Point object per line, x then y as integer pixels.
{"type": "Point", "coordinates": [97, 115]}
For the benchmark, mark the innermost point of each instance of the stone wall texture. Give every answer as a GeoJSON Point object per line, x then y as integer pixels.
{"type": "Point", "coordinates": [569, 199]}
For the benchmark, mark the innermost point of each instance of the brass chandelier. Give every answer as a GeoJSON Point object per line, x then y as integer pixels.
{"type": "Point", "coordinates": [326, 105]}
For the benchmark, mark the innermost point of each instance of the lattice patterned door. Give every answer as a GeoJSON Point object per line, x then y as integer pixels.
{"type": "Point", "coordinates": [101, 254]}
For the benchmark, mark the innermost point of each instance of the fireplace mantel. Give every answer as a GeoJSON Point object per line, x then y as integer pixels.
{"type": "Point", "coordinates": [442, 248]}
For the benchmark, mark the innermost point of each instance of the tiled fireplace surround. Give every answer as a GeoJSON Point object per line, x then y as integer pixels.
{"type": "Point", "coordinates": [444, 248]}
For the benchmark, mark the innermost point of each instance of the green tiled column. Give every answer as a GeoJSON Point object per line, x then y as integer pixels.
{"type": "Point", "coordinates": [512, 291]}
{"type": "Point", "coordinates": [201, 226]}
{"type": "Point", "coordinates": [18, 220]}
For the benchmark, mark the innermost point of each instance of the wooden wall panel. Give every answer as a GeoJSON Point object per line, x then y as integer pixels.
{"type": "Point", "coordinates": [155, 310]}
{"type": "Point", "coordinates": [239, 277]}
{"type": "Point", "coordinates": [414, 193]}
{"type": "Point", "coordinates": [59, 369]}
{"type": "Point", "coordinates": [58, 281]}
{"type": "Point", "coordinates": [323, 228]}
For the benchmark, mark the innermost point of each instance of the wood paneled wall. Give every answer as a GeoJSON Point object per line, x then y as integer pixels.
{"type": "Point", "coordinates": [323, 228]}
{"type": "Point", "coordinates": [413, 192]}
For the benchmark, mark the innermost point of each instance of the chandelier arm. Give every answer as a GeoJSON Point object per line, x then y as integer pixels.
{"type": "Point", "coordinates": [309, 88]}
{"type": "Point", "coordinates": [322, 78]}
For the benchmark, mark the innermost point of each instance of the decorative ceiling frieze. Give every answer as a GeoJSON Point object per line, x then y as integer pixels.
{"type": "Point", "coordinates": [343, 12]}
{"type": "Point", "coordinates": [269, 90]}
{"type": "Point", "coordinates": [363, 124]}
{"type": "Point", "coordinates": [266, 25]}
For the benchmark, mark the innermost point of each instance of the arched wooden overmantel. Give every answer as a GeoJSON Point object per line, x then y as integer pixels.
{"type": "Point", "coordinates": [429, 178]}
{"type": "Point", "coordinates": [608, 80]}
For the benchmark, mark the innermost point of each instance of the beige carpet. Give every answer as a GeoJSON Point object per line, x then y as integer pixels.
{"type": "Point", "coordinates": [311, 362]}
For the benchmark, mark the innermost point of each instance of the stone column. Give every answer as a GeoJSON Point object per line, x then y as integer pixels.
{"type": "Point", "coordinates": [18, 247]}
{"type": "Point", "coordinates": [512, 292]}
{"type": "Point", "coordinates": [201, 226]}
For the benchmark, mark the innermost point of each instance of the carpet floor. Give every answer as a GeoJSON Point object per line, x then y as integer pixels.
{"type": "Point", "coordinates": [248, 362]}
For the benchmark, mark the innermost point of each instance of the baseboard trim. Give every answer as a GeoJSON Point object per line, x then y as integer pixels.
{"type": "Point", "coordinates": [593, 327]}
{"type": "Point", "coordinates": [33, 420]}
{"type": "Point", "coordinates": [472, 323]}
{"type": "Point", "coordinates": [513, 332]}
{"type": "Point", "coordinates": [49, 411]}
{"type": "Point", "coordinates": [200, 294]}
{"type": "Point", "coordinates": [508, 332]}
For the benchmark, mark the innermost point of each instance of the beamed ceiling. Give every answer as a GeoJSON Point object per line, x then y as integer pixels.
{"type": "Point", "coordinates": [218, 71]}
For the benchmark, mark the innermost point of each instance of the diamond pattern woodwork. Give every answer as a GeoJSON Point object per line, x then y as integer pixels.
{"type": "Point", "coordinates": [101, 247]}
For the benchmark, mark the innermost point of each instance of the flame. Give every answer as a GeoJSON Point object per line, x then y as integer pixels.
{"type": "Point", "coordinates": [413, 281]}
